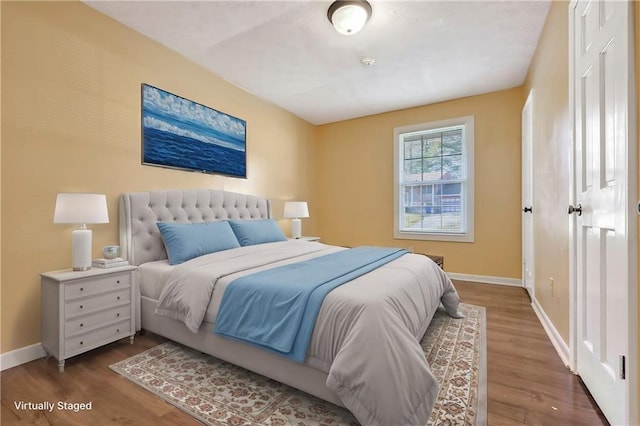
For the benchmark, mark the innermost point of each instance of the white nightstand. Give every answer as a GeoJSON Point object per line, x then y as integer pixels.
{"type": "Point", "coordinates": [87, 309]}
{"type": "Point", "coordinates": [303, 238]}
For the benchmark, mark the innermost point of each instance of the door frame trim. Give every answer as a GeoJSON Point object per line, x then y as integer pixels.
{"type": "Point", "coordinates": [633, 363]}
{"type": "Point", "coordinates": [572, 196]}
{"type": "Point", "coordinates": [529, 103]}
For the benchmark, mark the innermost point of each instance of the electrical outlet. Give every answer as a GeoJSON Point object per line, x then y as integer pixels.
{"type": "Point", "coordinates": [551, 285]}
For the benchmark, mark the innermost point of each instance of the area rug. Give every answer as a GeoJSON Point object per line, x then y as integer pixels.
{"type": "Point", "coordinates": [217, 393]}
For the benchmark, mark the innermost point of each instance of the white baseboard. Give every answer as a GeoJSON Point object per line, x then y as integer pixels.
{"type": "Point", "coordinates": [20, 356]}
{"type": "Point", "coordinates": [514, 282]}
{"type": "Point", "coordinates": [558, 343]}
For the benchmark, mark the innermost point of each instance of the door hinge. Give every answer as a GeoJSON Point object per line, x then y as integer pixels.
{"type": "Point", "coordinates": [623, 367]}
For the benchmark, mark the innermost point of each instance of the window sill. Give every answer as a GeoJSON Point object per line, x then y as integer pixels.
{"type": "Point", "coordinates": [458, 238]}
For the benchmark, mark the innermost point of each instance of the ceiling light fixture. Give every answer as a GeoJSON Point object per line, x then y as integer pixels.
{"type": "Point", "coordinates": [349, 17]}
{"type": "Point", "coordinates": [367, 61]}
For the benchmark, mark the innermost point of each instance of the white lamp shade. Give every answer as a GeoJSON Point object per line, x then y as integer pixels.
{"type": "Point", "coordinates": [295, 209]}
{"type": "Point", "coordinates": [81, 208]}
{"type": "Point", "coordinates": [349, 17]}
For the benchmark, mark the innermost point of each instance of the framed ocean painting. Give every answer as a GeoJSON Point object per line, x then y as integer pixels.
{"type": "Point", "coordinates": [182, 134]}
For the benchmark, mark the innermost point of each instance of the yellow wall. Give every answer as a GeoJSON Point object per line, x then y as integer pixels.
{"type": "Point", "coordinates": [548, 77]}
{"type": "Point", "coordinates": [71, 102]}
{"type": "Point", "coordinates": [355, 175]}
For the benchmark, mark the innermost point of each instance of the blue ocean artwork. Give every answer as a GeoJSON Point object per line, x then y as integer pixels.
{"type": "Point", "coordinates": [180, 133]}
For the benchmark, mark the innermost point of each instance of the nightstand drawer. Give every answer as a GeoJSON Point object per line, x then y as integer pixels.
{"type": "Point", "coordinates": [89, 322]}
{"type": "Point", "coordinates": [91, 304]}
{"type": "Point", "coordinates": [99, 337]}
{"type": "Point", "coordinates": [96, 285]}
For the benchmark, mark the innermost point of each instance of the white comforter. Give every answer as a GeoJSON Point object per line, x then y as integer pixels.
{"type": "Point", "coordinates": [367, 333]}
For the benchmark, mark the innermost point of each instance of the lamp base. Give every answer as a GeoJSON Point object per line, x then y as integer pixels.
{"type": "Point", "coordinates": [81, 268]}
{"type": "Point", "coordinates": [296, 228]}
{"type": "Point", "coordinates": [81, 249]}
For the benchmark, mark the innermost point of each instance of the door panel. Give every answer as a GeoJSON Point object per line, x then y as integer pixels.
{"type": "Point", "coordinates": [601, 90]}
{"type": "Point", "coordinates": [528, 264]}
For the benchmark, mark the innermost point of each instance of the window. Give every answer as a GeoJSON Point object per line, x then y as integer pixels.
{"type": "Point", "coordinates": [434, 180]}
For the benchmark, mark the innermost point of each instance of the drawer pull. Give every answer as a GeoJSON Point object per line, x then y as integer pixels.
{"type": "Point", "coordinates": [118, 282]}
{"type": "Point", "coordinates": [81, 306]}
{"type": "Point", "coordinates": [117, 330]}
{"type": "Point", "coordinates": [118, 315]}
{"type": "Point", "coordinates": [118, 297]}
{"type": "Point", "coordinates": [81, 288]}
{"type": "Point", "coordinates": [81, 342]}
{"type": "Point", "coordinates": [81, 325]}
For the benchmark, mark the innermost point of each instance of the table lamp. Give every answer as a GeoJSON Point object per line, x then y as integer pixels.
{"type": "Point", "coordinates": [294, 210]}
{"type": "Point", "coordinates": [81, 209]}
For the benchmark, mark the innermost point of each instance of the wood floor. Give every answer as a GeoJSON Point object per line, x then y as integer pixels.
{"type": "Point", "coordinates": [526, 380]}
{"type": "Point", "coordinates": [527, 383]}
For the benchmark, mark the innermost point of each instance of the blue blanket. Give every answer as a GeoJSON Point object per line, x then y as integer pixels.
{"type": "Point", "coordinates": [276, 309]}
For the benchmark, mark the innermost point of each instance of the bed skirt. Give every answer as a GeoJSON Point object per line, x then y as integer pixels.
{"type": "Point", "coordinates": [299, 376]}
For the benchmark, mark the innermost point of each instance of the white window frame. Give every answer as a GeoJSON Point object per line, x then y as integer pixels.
{"type": "Point", "coordinates": [468, 192]}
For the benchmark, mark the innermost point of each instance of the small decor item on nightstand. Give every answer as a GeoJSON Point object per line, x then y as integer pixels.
{"type": "Point", "coordinates": [110, 252]}
{"type": "Point", "coordinates": [109, 263]}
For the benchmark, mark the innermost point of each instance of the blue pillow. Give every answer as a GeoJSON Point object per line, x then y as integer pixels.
{"type": "Point", "coordinates": [250, 232]}
{"type": "Point", "coordinates": [185, 241]}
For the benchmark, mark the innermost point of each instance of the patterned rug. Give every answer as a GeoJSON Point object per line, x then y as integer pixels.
{"type": "Point", "coordinates": [217, 393]}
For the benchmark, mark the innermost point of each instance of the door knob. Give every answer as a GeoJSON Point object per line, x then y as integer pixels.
{"type": "Point", "coordinates": [577, 209]}
{"type": "Point", "coordinates": [528, 209]}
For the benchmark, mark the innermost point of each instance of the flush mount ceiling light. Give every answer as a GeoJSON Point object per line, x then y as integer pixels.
{"type": "Point", "coordinates": [349, 17]}
{"type": "Point", "coordinates": [367, 61]}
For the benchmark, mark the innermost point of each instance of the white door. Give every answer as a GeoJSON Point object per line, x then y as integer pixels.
{"type": "Point", "coordinates": [601, 79]}
{"type": "Point", "coordinates": [528, 266]}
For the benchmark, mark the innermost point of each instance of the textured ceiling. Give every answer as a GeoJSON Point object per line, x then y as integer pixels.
{"type": "Point", "coordinates": [287, 52]}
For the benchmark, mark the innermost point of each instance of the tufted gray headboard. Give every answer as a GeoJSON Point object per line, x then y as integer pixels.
{"type": "Point", "coordinates": [140, 239]}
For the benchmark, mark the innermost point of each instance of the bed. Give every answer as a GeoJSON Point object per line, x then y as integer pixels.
{"type": "Point", "coordinates": [364, 352]}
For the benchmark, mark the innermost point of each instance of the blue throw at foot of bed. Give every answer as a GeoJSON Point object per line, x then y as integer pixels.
{"type": "Point", "coordinates": [276, 309]}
